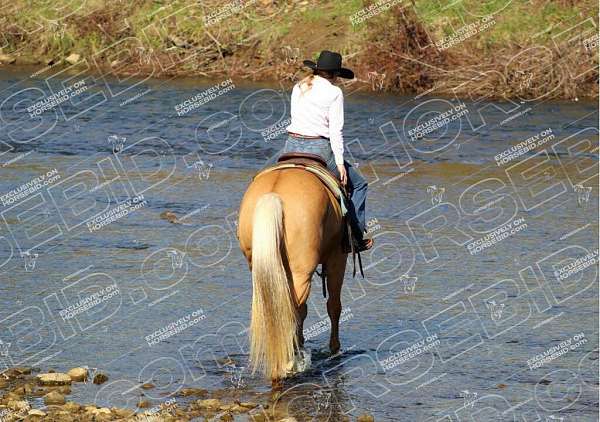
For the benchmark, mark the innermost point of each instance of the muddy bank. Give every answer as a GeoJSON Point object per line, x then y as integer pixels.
{"type": "Point", "coordinates": [483, 52]}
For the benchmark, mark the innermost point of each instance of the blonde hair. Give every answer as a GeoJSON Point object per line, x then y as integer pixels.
{"type": "Point", "coordinates": [306, 83]}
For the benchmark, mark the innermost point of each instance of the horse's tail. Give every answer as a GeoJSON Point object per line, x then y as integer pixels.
{"type": "Point", "coordinates": [273, 325]}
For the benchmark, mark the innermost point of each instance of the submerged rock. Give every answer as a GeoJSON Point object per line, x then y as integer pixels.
{"type": "Point", "coordinates": [11, 373]}
{"type": "Point", "coordinates": [53, 378]}
{"type": "Point", "coordinates": [78, 374]}
{"type": "Point", "coordinates": [227, 361]}
{"type": "Point", "coordinates": [143, 404]}
{"type": "Point", "coordinates": [365, 417]}
{"type": "Point", "coordinates": [236, 408]}
{"type": "Point", "coordinates": [23, 370]}
{"type": "Point", "coordinates": [170, 216]}
{"type": "Point", "coordinates": [62, 389]}
{"type": "Point", "coordinates": [185, 392]}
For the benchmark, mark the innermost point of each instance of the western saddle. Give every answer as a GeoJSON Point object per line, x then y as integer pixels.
{"type": "Point", "coordinates": [317, 165]}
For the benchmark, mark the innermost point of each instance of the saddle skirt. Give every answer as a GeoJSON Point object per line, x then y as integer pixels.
{"type": "Point", "coordinates": [316, 165]}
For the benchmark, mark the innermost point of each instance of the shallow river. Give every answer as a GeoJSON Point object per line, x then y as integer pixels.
{"type": "Point", "coordinates": [479, 302]}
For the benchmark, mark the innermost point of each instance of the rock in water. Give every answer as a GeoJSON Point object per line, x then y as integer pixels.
{"type": "Point", "coordinates": [36, 412]}
{"type": "Point", "coordinates": [72, 407]}
{"type": "Point", "coordinates": [78, 374]}
{"type": "Point", "coordinates": [143, 404]}
{"type": "Point", "coordinates": [24, 370]}
{"type": "Point", "coordinates": [63, 389]}
{"type": "Point", "coordinates": [365, 417]}
{"type": "Point", "coordinates": [100, 414]}
{"type": "Point", "coordinates": [170, 216]}
{"type": "Point", "coordinates": [53, 378]}
{"type": "Point", "coordinates": [123, 413]}
{"type": "Point", "coordinates": [185, 392]}
{"type": "Point", "coordinates": [100, 378]}
{"type": "Point", "coordinates": [5, 58]}
{"type": "Point", "coordinates": [209, 404]}
{"type": "Point", "coordinates": [54, 397]}
{"type": "Point", "coordinates": [18, 405]}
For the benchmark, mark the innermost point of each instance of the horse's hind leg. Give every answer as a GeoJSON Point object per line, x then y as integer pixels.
{"type": "Point", "coordinates": [301, 283]}
{"type": "Point", "coordinates": [336, 267]}
{"type": "Point", "coordinates": [302, 311]}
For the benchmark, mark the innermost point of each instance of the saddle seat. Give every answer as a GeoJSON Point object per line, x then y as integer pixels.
{"type": "Point", "coordinates": [303, 158]}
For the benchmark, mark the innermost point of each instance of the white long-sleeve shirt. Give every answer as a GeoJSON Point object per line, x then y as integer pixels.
{"type": "Point", "coordinates": [319, 111]}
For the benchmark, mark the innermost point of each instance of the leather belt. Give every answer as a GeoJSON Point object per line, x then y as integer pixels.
{"type": "Point", "coordinates": [297, 135]}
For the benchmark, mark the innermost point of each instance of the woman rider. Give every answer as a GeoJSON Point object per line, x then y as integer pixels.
{"type": "Point", "coordinates": [317, 118]}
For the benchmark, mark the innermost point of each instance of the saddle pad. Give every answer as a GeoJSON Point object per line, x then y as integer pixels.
{"type": "Point", "coordinates": [322, 173]}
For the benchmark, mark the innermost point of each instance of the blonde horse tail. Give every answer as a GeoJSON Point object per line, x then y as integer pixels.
{"type": "Point", "coordinates": [273, 323]}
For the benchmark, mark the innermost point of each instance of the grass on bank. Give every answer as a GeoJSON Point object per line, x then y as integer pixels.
{"type": "Point", "coordinates": [43, 31]}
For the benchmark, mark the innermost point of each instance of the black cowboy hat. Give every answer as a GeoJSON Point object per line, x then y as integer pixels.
{"type": "Point", "coordinates": [332, 62]}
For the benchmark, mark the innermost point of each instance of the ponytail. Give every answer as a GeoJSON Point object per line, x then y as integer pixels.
{"type": "Point", "coordinates": [307, 81]}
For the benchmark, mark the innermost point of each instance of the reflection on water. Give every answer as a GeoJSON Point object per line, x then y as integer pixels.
{"type": "Point", "coordinates": [460, 292]}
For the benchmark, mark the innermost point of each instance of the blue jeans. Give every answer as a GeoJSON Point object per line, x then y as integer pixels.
{"type": "Point", "coordinates": [356, 186]}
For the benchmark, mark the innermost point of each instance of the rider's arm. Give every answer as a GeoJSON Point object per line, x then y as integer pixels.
{"type": "Point", "coordinates": [336, 123]}
{"type": "Point", "coordinates": [294, 99]}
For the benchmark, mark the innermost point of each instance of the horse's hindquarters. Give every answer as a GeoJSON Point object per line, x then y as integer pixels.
{"type": "Point", "coordinates": [312, 224]}
{"type": "Point", "coordinates": [286, 223]}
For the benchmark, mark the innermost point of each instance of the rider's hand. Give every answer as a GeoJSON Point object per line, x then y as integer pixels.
{"type": "Point", "coordinates": [343, 174]}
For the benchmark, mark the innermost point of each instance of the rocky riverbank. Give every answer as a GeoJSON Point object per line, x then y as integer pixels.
{"type": "Point", "coordinates": [27, 394]}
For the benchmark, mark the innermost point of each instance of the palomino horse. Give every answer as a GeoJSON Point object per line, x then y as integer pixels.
{"type": "Point", "coordinates": [289, 223]}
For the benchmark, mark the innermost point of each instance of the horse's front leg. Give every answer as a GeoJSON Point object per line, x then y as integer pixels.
{"type": "Point", "coordinates": [336, 267]}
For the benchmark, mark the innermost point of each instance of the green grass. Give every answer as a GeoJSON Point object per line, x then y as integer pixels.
{"type": "Point", "coordinates": [517, 23]}
{"type": "Point", "coordinates": [522, 23]}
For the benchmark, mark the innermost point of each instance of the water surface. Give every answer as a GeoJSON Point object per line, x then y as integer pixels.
{"type": "Point", "coordinates": [473, 321]}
